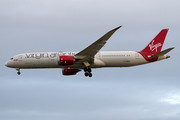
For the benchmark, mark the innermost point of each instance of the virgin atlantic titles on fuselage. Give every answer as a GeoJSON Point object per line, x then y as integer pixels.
{"type": "Point", "coordinates": [91, 57]}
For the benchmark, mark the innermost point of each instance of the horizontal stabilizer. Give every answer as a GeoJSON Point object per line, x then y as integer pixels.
{"type": "Point", "coordinates": [162, 53]}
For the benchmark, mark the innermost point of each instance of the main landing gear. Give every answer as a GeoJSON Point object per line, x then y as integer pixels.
{"type": "Point", "coordinates": [18, 69]}
{"type": "Point", "coordinates": [87, 71]}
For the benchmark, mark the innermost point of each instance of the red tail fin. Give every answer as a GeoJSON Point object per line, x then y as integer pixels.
{"type": "Point", "coordinates": [156, 44]}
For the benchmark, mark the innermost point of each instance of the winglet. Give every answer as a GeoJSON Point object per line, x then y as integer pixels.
{"type": "Point", "coordinates": [109, 34]}
{"type": "Point", "coordinates": [116, 28]}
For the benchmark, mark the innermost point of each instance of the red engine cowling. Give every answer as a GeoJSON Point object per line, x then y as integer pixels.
{"type": "Point", "coordinates": [70, 71]}
{"type": "Point", "coordinates": [66, 60]}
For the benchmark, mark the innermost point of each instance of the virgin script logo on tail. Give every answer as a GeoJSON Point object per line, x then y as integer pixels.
{"type": "Point", "coordinates": [154, 47]}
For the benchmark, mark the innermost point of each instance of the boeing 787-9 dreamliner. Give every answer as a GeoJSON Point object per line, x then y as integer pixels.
{"type": "Point", "coordinates": [91, 57]}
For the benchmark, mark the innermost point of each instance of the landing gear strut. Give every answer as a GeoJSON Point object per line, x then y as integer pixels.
{"type": "Point", "coordinates": [18, 69]}
{"type": "Point", "coordinates": [87, 71]}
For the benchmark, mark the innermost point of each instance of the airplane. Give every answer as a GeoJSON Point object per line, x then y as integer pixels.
{"type": "Point", "coordinates": [91, 57]}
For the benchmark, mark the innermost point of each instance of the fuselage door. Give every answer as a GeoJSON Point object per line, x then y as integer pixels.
{"type": "Point", "coordinates": [137, 55]}
{"type": "Point", "coordinates": [53, 60]}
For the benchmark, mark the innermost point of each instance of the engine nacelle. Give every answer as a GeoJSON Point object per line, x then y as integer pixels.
{"type": "Point", "coordinates": [66, 60]}
{"type": "Point", "coordinates": [70, 71]}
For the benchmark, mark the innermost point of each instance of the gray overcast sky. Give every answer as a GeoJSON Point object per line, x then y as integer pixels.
{"type": "Point", "coordinates": [147, 92]}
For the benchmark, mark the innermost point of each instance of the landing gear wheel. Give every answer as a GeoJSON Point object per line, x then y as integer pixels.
{"type": "Point", "coordinates": [85, 69]}
{"type": "Point", "coordinates": [18, 73]}
{"type": "Point", "coordinates": [90, 74]}
{"type": "Point", "coordinates": [86, 74]}
{"type": "Point", "coordinates": [89, 70]}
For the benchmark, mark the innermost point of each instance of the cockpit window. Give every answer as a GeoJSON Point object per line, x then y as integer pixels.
{"type": "Point", "coordinates": [11, 59]}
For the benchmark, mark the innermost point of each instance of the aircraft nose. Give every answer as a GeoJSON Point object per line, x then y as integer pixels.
{"type": "Point", "coordinates": [6, 64]}
{"type": "Point", "coordinates": [10, 64]}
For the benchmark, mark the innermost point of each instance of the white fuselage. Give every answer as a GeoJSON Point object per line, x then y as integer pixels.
{"type": "Point", "coordinates": [101, 59]}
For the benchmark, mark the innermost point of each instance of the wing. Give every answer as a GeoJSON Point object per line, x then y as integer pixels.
{"type": "Point", "coordinates": [87, 55]}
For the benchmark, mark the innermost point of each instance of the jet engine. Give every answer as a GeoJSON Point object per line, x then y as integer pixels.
{"type": "Point", "coordinates": [70, 71]}
{"type": "Point", "coordinates": [66, 60]}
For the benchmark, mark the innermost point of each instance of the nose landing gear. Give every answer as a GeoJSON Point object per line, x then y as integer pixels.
{"type": "Point", "coordinates": [18, 69]}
